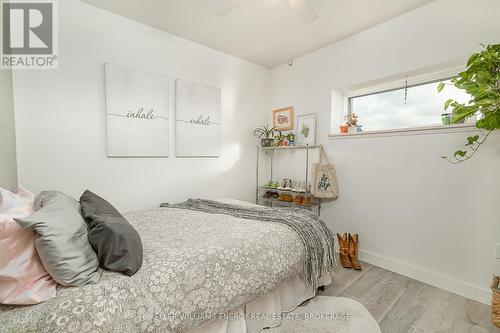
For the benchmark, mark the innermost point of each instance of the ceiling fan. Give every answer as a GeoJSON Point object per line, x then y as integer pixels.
{"type": "Point", "coordinates": [302, 7]}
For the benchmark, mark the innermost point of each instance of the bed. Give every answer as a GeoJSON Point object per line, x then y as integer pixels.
{"type": "Point", "coordinates": [201, 273]}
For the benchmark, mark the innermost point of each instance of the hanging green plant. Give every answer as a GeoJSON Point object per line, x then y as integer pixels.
{"type": "Point", "coordinates": [481, 80]}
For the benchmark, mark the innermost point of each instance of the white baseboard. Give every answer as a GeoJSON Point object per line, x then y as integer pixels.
{"type": "Point", "coordinates": [457, 287]}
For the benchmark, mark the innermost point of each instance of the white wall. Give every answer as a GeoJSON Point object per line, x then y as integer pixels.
{"type": "Point", "coordinates": [8, 171]}
{"type": "Point", "coordinates": [61, 128]}
{"type": "Point", "coordinates": [415, 213]}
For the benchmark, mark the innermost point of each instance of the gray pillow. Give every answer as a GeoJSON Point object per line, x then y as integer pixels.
{"type": "Point", "coordinates": [61, 239]}
{"type": "Point", "coordinates": [116, 242]}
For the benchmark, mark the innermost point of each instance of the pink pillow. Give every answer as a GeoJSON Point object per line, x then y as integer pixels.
{"type": "Point", "coordinates": [23, 280]}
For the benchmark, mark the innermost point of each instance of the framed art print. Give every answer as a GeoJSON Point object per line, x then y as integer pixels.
{"type": "Point", "coordinates": [137, 113]}
{"type": "Point", "coordinates": [283, 119]}
{"type": "Point", "coordinates": [198, 120]}
{"type": "Point", "coordinates": [306, 129]}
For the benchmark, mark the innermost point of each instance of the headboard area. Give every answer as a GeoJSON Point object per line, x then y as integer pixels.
{"type": "Point", "coordinates": [8, 164]}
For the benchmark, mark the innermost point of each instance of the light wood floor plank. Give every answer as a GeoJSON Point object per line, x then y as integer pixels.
{"type": "Point", "coordinates": [421, 308]}
{"type": "Point", "coordinates": [378, 290]}
{"type": "Point", "coordinates": [401, 304]}
{"type": "Point", "coordinates": [343, 278]}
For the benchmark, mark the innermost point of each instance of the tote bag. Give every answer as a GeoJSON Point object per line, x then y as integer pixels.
{"type": "Point", "coordinates": [324, 181]}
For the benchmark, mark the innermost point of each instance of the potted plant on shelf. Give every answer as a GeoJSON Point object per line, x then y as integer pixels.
{"type": "Point", "coordinates": [279, 139]}
{"type": "Point", "coordinates": [265, 135]}
{"type": "Point", "coordinates": [291, 138]}
{"type": "Point", "coordinates": [481, 80]}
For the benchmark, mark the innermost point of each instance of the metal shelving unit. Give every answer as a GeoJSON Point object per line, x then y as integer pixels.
{"type": "Point", "coordinates": [273, 202]}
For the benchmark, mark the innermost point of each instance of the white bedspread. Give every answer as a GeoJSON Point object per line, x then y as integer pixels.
{"type": "Point", "coordinates": [196, 266]}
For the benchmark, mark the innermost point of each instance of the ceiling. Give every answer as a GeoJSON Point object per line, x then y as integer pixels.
{"type": "Point", "coordinates": [265, 32]}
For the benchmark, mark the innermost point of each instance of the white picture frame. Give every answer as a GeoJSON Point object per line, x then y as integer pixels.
{"type": "Point", "coordinates": [306, 129]}
{"type": "Point", "coordinates": [197, 120]}
{"type": "Point", "coordinates": [137, 113]}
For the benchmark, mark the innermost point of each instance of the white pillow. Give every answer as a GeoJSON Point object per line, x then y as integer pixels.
{"type": "Point", "coordinates": [16, 203]}
{"type": "Point", "coordinates": [23, 279]}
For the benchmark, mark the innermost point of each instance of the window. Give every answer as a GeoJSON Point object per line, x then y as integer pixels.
{"type": "Point", "coordinates": [399, 105]}
{"type": "Point", "coordinates": [404, 107]}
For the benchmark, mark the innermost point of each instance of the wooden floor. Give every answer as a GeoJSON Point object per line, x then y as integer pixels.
{"type": "Point", "coordinates": [400, 304]}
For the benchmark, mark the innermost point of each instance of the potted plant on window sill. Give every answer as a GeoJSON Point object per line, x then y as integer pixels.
{"type": "Point", "coordinates": [351, 120]}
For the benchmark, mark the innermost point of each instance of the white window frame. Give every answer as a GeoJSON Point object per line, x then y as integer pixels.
{"type": "Point", "coordinates": [341, 107]}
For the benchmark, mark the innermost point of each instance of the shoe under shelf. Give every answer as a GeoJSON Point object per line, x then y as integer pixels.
{"type": "Point", "coordinates": [274, 202]}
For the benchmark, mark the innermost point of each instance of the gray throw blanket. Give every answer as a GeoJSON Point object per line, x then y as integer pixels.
{"type": "Point", "coordinates": [317, 239]}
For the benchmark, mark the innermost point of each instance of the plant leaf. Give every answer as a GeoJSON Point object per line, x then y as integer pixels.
{"type": "Point", "coordinates": [447, 104]}
{"type": "Point", "coordinates": [485, 101]}
{"type": "Point", "coordinates": [472, 58]}
{"type": "Point", "coordinates": [440, 87]}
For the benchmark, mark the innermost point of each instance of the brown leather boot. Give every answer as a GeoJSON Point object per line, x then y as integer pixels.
{"type": "Point", "coordinates": [353, 251]}
{"type": "Point", "coordinates": [344, 250]}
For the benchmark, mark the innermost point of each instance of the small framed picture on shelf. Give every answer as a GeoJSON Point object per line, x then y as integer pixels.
{"type": "Point", "coordinates": [306, 129]}
{"type": "Point", "coordinates": [283, 119]}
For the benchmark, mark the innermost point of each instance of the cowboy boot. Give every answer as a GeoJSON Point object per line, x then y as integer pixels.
{"type": "Point", "coordinates": [344, 250]}
{"type": "Point", "coordinates": [353, 251]}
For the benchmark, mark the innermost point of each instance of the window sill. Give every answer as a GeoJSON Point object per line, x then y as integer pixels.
{"type": "Point", "coordinates": [438, 129]}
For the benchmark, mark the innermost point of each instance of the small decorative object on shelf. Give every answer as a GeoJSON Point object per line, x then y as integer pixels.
{"type": "Point", "coordinates": [280, 140]}
{"type": "Point", "coordinates": [265, 135]}
{"type": "Point", "coordinates": [446, 118]}
{"type": "Point", "coordinates": [287, 185]}
{"type": "Point", "coordinates": [300, 188]}
{"type": "Point", "coordinates": [344, 129]}
{"type": "Point", "coordinates": [271, 184]}
{"type": "Point", "coordinates": [351, 121]}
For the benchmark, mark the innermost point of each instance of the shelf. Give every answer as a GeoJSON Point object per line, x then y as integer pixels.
{"type": "Point", "coordinates": [314, 205]}
{"type": "Point", "coordinates": [263, 188]}
{"type": "Point", "coordinates": [289, 147]}
{"type": "Point", "coordinates": [272, 202]}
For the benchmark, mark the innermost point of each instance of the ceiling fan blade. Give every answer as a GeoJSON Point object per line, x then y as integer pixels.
{"type": "Point", "coordinates": [228, 7]}
{"type": "Point", "coordinates": [304, 9]}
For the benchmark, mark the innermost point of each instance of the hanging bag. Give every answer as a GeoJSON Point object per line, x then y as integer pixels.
{"type": "Point", "coordinates": [324, 181]}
